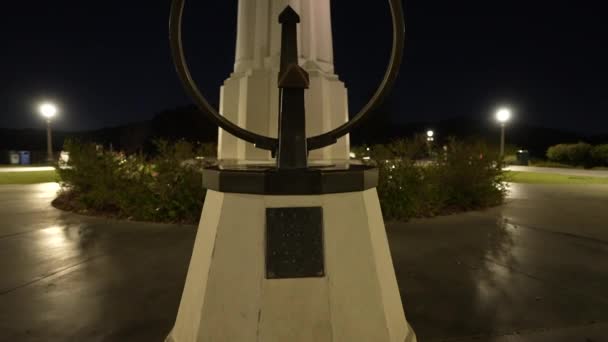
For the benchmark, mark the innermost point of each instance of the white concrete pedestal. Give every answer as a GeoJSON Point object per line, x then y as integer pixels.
{"type": "Point", "coordinates": [227, 297]}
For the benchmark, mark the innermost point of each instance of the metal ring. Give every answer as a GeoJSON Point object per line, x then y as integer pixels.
{"type": "Point", "coordinates": [268, 143]}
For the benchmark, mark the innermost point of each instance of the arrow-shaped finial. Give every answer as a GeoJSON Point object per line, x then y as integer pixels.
{"type": "Point", "coordinates": [289, 16]}
{"type": "Point", "coordinates": [293, 80]}
{"type": "Point", "coordinates": [294, 77]}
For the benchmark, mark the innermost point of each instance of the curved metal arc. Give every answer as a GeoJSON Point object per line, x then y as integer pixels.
{"type": "Point", "coordinates": [175, 29]}
{"type": "Point", "coordinates": [268, 143]}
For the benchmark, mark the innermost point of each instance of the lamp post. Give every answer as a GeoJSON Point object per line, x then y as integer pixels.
{"type": "Point", "coordinates": [430, 138]}
{"type": "Point", "coordinates": [503, 115]}
{"type": "Point", "coordinates": [48, 111]}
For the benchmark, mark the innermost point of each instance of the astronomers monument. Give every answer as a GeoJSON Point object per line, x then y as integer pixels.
{"type": "Point", "coordinates": [250, 96]}
{"type": "Point", "coordinates": [287, 249]}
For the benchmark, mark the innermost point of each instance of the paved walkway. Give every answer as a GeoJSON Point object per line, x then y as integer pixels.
{"type": "Point", "coordinates": [533, 270]}
{"type": "Point", "coordinates": [26, 168]}
{"type": "Point", "coordinates": [560, 171]}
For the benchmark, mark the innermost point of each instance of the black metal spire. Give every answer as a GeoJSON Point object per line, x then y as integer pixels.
{"type": "Point", "coordinates": [293, 80]}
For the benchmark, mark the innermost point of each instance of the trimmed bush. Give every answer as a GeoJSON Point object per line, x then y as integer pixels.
{"type": "Point", "coordinates": [572, 154]}
{"type": "Point", "coordinates": [168, 187]}
{"type": "Point", "coordinates": [599, 154]}
{"type": "Point", "coordinates": [558, 153]}
{"type": "Point", "coordinates": [580, 154]}
{"type": "Point", "coordinates": [464, 178]}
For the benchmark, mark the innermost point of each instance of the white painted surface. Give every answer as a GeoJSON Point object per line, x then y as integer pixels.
{"type": "Point", "coordinates": [227, 297]}
{"type": "Point", "coordinates": [250, 97]}
{"type": "Point", "coordinates": [191, 307]}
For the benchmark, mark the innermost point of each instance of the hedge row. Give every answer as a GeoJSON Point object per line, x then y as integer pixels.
{"type": "Point", "coordinates": [167, 187]}
{"type": "Point", "coordinates": [581, 154]}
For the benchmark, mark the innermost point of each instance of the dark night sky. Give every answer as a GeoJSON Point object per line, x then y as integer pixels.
{"type": "Point", "coordinates": [108, 62]}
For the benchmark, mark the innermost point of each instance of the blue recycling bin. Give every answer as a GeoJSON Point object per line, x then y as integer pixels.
{"type": "Point", "coordinates": [25, 158]}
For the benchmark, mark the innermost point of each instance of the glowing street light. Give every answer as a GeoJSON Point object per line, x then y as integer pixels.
{"type": "Point", "coordinates": [430, 135]}
{"type": "Point", "coordinates": [503, 115]}
{"type": "Point", "coordinates": [48, 111]}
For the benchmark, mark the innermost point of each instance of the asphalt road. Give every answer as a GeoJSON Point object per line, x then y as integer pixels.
{"type": "Point", "coordinates": [533, 270]}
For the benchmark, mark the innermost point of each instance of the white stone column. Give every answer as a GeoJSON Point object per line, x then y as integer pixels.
{"type": "Point", "coordinates": [250, 96]}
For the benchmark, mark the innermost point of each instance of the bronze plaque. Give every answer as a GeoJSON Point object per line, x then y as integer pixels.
{"type": "Point", "coordinates": [294, 243]}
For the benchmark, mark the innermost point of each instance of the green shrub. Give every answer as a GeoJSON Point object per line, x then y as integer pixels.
{"type": "Point", "coordinates": [571, 154]}
{"type": "Point", "coordinates": [381, 152]}
{"type": "Point", "coordinates": [412, 149]}
{"type": "Point", "coordinates": [466, 178]}
{"type": "Point", "coordinates": [93, 176]}
{"type": "Point", "coordinates": [558, 153]}
{"type": "Point", "coordinates": [471, 176]}
{"type": "Point", "coordinates": [178, 183]}
{"type": "Point", "coordinates": [580, 154]}
{"type": "Point", "coordinates": [166, 188]}
{"type": "Point", "coordinates": [400, 189]}
{"type": "Point", "coordinates": [599, 154]}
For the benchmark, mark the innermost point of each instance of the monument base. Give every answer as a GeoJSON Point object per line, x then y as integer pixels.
{"type": "Point", "coordinates": [291, 268]}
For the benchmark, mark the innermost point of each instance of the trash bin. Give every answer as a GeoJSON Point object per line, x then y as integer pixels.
{"type": "Point", "coordinates": [24, 158]}
{"type": "Point", "coordinates": [523, 158]}
{"type": "Point", "coordinates": [14, 157]}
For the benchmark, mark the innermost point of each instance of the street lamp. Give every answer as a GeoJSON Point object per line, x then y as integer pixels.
{"type": "Point", "coordinates": [430, 137]}
{"type": "Point", "coordinates": [503, 115]}
{"type": "Point", "coordinates": [48, 111]}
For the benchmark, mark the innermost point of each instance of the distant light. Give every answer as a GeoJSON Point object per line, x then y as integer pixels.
{"type": "Point", "coordinates": [368, 149]}
{"type": "Point", "coordinates": [353, 155]}
{"type": "Point", "coordinates": [367, 158]}
{"type": "Point", "coordinates": [48, 110]}
{"type": "Point", "coordinates": [430, 134]}
{"type": "Point", "coordinates": [503, 115]}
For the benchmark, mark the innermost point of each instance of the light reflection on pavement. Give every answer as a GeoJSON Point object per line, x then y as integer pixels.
{"type": "Point", "coordinates": [535, 269]}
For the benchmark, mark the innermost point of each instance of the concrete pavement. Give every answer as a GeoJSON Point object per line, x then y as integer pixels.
{"type": "Point", "coordinates": [72, 278]}
{"type": "Point", "coordinates": [26, 168]}
{"type": "Point", "coordinates": [560, 171]}
{"type": "Point", "coordinates": [533, 270]}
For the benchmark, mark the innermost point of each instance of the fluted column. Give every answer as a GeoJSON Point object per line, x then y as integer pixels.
{"type": "Point", "coordinates": [245, 42]}
{"type": "Point", "coordinates": [250, 96]}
